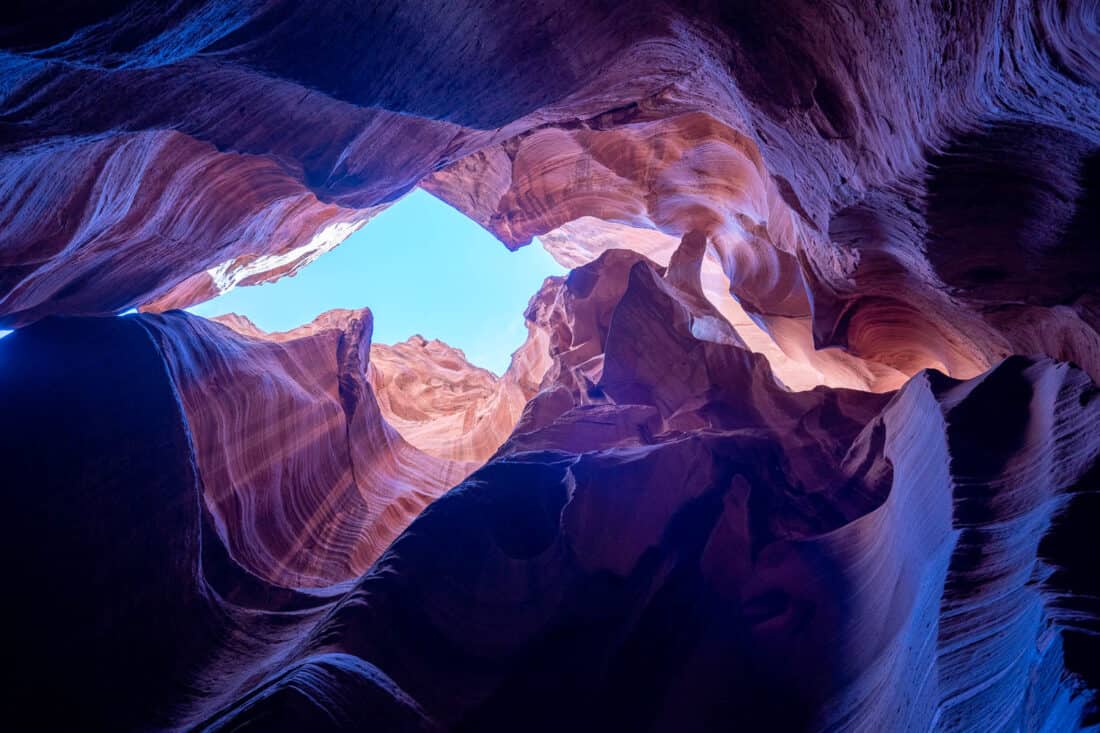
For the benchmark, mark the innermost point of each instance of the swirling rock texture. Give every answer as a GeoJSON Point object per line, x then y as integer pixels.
{"type": "Point", "coordinates": [832, 152]}
{"type": "Point", "coordinates": [669, 540]}
{"type": "Point", "coordinates": [450, 408]}
{"type": "Point", "coordinates": [427, 391]}
{"type": "Point", "coordinates": [305, 479]}
{"type": "Point", "coordinates": [797, 444]}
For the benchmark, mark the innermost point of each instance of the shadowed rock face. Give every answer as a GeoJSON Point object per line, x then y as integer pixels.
{"type": "Point", "coordinates": [804, 441]}
{"type": "Point", "coordinates": [669, 540]}
{"type": "Point", "coordinates": [842, 158]}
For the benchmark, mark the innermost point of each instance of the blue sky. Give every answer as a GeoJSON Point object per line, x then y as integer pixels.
{"type": "Point", "coordinates": [421, 267]}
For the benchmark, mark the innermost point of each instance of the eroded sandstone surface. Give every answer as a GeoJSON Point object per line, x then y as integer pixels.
{"type": "Point", "coordinates": [804, 441]}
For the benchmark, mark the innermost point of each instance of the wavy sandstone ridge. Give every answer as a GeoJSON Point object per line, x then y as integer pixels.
{"type": "Point", "coordinates": [841, 165]}
{"type": "Point", "coordinates": [670, 540]}
{"type": "Point", "coordinates": [426, 390]}
{"type": "Point", "coordinates": [450, 408]}
{"type": "Point", "coordinates": [804, 441]}
{"type": "Point", "coordinates": [305, 479]}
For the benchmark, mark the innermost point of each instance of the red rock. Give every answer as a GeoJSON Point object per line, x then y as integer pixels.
{"type": "Point", "coordinates": [817, 156]}
{"type": "Point", "coordinates": [306, 481]}
{"type": "Point", "coordinates": [794, 446]}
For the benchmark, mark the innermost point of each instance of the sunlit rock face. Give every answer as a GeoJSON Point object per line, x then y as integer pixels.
{"type": "Point", "coordinates": [805, 441]}
{"type": "Point", "coordinates": [305, 479]}
{"type": "Point", "coordinates": [669, 540]}
{"type": "Point", "coordinates": [428, 392]}
{"type": "Point", "coordinates": [446, 406]}
{"type": "Point", "coordinates": [581, 241]}
{"type": "Point", "coordinates": [841, 165]}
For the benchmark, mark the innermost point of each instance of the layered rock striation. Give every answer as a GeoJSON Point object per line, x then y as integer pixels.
{"type": "Point", "coordinates": [446, 406]}
{"type": "Point", "coordinates": [306, 481]}
{"type": "Point", "coordinates": [805, 440]}
{"type": "Point", "coordinates": [669, 540]}
{"type": "Point", "coordinates": [834, 155]}
{"type": "Point", "coordinates": [428, 392]}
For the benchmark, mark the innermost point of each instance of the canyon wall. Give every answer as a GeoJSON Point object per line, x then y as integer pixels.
{"type": "Point", "coordinates": [842, 157]}
{"type": "Point", "coordinates": [305, 479]}
{"type": "Point", "coordinates": [669, 540]}
{"type": "Point", "coordinates": [804, 441]}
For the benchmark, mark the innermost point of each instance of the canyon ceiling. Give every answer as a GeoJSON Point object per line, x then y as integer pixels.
{"type": "Point", "coordinates": [806, 440]}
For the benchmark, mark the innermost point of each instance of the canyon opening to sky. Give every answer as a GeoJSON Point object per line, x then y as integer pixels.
{"type": "Point", "coordinates": [472, 298]}
{"type": "Point", "coordinates": [558, 365]}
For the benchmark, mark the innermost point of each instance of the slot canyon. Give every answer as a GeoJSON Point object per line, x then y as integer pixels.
{"type": "Point", "coordinates": [807, 438]}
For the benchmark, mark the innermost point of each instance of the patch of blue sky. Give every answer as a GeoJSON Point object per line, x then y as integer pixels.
{"type": "Point", "coordinates": [422, 268]}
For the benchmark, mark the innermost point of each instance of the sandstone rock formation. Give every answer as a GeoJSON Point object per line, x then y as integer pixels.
{"type": "Point", "coordinates": [426, 390]}
{"type": "Point", "coordinates": [305, 480]}
{"type": "Point", "coordinates": [670, 540]}
{"type": "Point", "coordinates": [446, 406]}
{"type": "Point", "coordinates": [832, 159]}
{"type": "Point", "coordinates": [805, 441]}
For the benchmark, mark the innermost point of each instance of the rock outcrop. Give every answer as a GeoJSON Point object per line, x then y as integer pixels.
{"type": "Point", "coordinates": [437, 401]}
{"type": "Point", "coordinates": [669, 540]}
{"type": "Point", "coordinates": [805, 440]}
{"type": "Point", "coordinates": [830, 152]}
{"type": "Point", "coordinates": [446, 406]}
{"type": "Point", "coordinates": [305, 480]}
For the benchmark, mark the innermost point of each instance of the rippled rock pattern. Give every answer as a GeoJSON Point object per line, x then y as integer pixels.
{"type": "Point", "coordinates": [669, 540]}
{"type": "Point", "coordinates": [805, 440]}
{"type": "Point", "coordinates": [841, 157]}
{"type": "Point", "coordinates": [446, 406]}
{"type": "Point", "coordinates": [307, 481]}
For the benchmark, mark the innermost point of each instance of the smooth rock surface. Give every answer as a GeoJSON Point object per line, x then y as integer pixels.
{"type": "Point", "coordinates": [830, 152]}
{"type": "Point", "coordinates": [305, 479]}
{"type": "Point", "coordinates": [805, 441]}
{"type": "Point", "coordinates": [670, 540]}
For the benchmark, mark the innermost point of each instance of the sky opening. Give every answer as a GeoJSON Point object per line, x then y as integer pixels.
{"type": "Point", "coordinates": [422, 268]}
